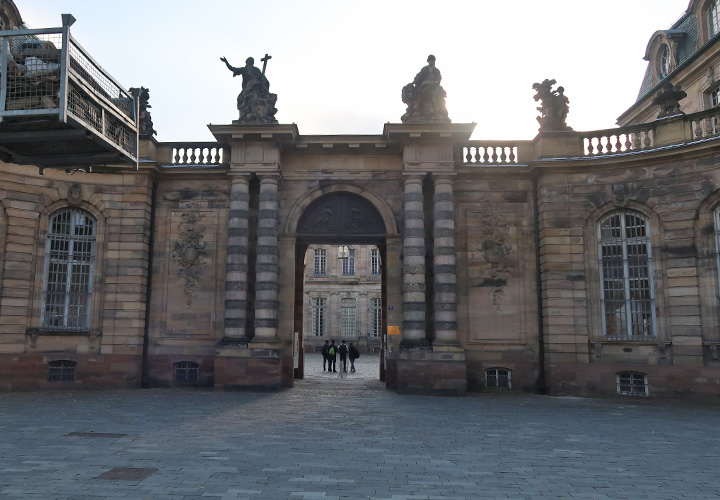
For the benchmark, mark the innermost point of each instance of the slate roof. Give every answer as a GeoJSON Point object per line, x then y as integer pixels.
{"type": "Point", "coordinates": [687, 47]}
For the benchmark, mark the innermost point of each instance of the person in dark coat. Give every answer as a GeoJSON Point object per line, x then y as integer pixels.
{"type": "Point", "coordinates": [353, 354]}
{"type": "Point", "coordinates": [332, 356]}
{"type": "Point", "coordinates": [324, 353]}
{"type": "Point", "coordinates": [343, 350]}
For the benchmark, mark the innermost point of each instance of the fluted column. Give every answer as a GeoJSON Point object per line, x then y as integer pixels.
{"type": "Point", "coordinates": [236, 277]}
{"type": "Point", "coordinates": [414, 321]}
{"type": "Point", "coordinates": [444, 269]}
{"type": "Point", "coordinates": [266, 268]}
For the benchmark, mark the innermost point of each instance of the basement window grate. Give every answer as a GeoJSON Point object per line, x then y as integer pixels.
{"type": "Point", "coordinates": [186, 372]}
{"type": "Point", "coordinates": [61, 371]}
{"type": "Point", "coordinates": [126, 474]}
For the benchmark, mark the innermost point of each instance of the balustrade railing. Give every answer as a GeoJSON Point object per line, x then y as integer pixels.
{"type": "Point", "coordinates": [705, 123]}
{"type": "Point", "coordinates": [618, 140]}
{"type": "Point", "coordinates": [495, 152]}
{"type": "Point", "coordinates": [191, 153]}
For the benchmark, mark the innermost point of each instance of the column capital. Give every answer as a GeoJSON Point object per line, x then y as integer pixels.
{"type": "Point", "coordinates": [444, 177]}
{"type": "Point", "coordinates": [412, 177]}
{"type": "Point", "coordinates": [269, 177]}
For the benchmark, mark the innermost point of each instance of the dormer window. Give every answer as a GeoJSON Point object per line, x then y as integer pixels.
{"type": "Point", "coordinates": [714, 17]}
{"type": "Point", "coordinates": [664, 60]}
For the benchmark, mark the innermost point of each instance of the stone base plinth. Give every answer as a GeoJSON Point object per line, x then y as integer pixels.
{"type": "Point", "coordinates": [430, 373]}
{"type": "Point", "coordinates": [243, 368]}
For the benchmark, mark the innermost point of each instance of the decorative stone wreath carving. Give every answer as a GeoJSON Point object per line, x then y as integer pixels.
{"type": "Point", "coordinates": [495, 251]}
{"type": "Point", "coordinates": [189, 251]}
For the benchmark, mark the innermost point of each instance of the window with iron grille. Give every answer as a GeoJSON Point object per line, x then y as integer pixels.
{"type": "Point", "coordinates": [320, 265]}
{"type": "Point", "coordinates": [348, 317]}
{"type": "Point", "coordinates": [632, 384]}
{"type": "Point", "coordinates": [69, 266]}
{"type": "Point", "coordinates": [186, 372]}
{"type": "Point", "coordinates": [714, 17]}
{"type": "Point", "coordinates": [497, 378]}
{"type": "Point", "coordinates": [375, 317]}
{"type": "Point", "coordinates": [318, 317]}
{"type": "Point", "coordinates": [625, 264]}
{"type": "Point", "coordinates": [61, 371]}
{"type": "Point", "coordinates": [374, 262]}
{"type": "Point", "coordinates": [348, 263]}
{"type": "Point", "coordinates": [715, 97]}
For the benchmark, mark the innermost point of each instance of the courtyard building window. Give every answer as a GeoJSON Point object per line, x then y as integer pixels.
{"type": "Point", "coordinates": [374, 262]}
{"type": "Point", "coordinates": [714, 17]}
{"type": "Point", "coordinates": [69, 266]}
{"type": "Point", "coordinates": [632, 384]}
{"type": "Point", "coordinates": [318, 317]}
{"type": "Point", "coordinates": [348, 263]}
{"type": "Point", "coordinates": [715, 97]}
{"type": "Point", "coordinates": [375, 317]}
{"type": "Point", "coordinates": [186, 372]}
{"type": "Point", "coordinates": [61, 371]}
{"type": "Point", "coordinates": [717, 241]}
{"type": "Point", "coordinates": [320, 266]}
{"type": "Point", "coordinates": [498, 378]}
{"type": "Point", "coordinates": [348, 315]}
{"type": "Point", "coordinates": [625, 264]}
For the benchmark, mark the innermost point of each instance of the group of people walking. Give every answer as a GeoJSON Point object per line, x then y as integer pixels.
{"type": "Point", "coordinates": [330, 352]}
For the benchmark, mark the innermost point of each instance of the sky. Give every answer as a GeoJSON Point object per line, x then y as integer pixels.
{"type": "Point", "coordinates": [338, 67]}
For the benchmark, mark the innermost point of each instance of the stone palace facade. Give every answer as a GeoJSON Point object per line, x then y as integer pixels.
{"type": "Point", "coordinates": [576, 263]}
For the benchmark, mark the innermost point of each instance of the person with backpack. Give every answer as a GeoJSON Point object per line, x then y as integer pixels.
{"type": "Point", "coordinates": [353, 354]}
{"type": "Point", "coordinates": [343, 350]}
{"type": "Point", "coordinates": [332, 356]}
{"type": "Point", "coordinates": [324, 353]}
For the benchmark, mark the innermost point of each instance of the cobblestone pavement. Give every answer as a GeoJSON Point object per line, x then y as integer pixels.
{"type": "Point", "coordinates": [331, 438]}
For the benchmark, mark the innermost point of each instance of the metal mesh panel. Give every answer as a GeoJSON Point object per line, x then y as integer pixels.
{"type": "Point", "coordinates": [85, 109]}
{"type": "Point", "coordinates": [120, 133]}
{"type": "Point", "coordinates": [318, 317]}
{"type": "Point", "coordinates": [186, 372]}
{"type": "Point", "coordinates": [33, 76]}
{"type": "Point", "coordinates": [625, 268]}
{"type": "Point", "coordinates": [98, 81]}
{"type": "Point", "coordinates": [61, 371]}
{"type": "Point", "coordinates": [348, 317]}
{"type": "Point", "coordinates": [68, 270]}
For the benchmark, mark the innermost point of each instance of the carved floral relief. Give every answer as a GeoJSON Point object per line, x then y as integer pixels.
{"type": "Point", "coordinates": [495, 251]}
{"type": "Point", "coordinates": [189, 250]}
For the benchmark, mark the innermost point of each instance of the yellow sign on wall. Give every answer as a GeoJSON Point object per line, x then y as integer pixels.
{"type": "Point", "coordinates": [393, 330]}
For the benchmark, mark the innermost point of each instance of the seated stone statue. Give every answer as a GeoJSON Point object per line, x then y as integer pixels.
{"type": "Point", "coordinates": [425, 97]}
{"type": "Point", "coordinates": [255, 102]}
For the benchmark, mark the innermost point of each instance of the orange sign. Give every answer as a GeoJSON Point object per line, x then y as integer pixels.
{"type": "Point", "coordinates": [393, 330]}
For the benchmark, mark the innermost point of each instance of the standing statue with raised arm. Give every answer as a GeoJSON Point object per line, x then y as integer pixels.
{"type": "Point", "coordinates": [425, 97]}
{"type": "Point", "coordinates": [255, 102]}
{"type": "Point", "coordinates": [554, 106]}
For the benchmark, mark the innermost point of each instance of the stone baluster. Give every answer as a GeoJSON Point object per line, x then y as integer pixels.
{"type": "Point", "coordinates": [413, 288]}
{"type": "Point", "coordinates": [236, 280]}
{"type": "Point", "coordinates": [266, 268]}
{"type": "Point", "coordinates": [445, 272]}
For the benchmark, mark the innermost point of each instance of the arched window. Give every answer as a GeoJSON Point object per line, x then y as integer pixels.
{"type": "Point", "coordinates": [69, 265]}
{"type": "Point", "coordinates": [625, 264]}
{"type": "Point", "coordinates": [664, 61]}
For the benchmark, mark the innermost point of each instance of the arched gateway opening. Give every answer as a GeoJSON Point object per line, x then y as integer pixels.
{"type": "Point", "coordinates": [335, 226]}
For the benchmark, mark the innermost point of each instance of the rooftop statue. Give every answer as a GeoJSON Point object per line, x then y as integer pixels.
{"type": "Point", "coordinates": [554, 107]}
{"type": "Point", "coordinates": [669, 100]}
{"type": "Point", "coordinates": [255, 102]}
{"type": "Point", "coordinates": [425, 97]}
{"type": "Point", "coordinates": [145, 123]}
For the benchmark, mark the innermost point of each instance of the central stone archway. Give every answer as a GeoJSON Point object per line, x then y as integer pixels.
{"type": "Point", "coordinates": [338, 218]}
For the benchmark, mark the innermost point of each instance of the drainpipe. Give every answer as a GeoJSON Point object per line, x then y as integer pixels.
{"type": "Point", "coordinates": [540, 383]}
{"type": "Point", "coordinates": [144, 383]}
